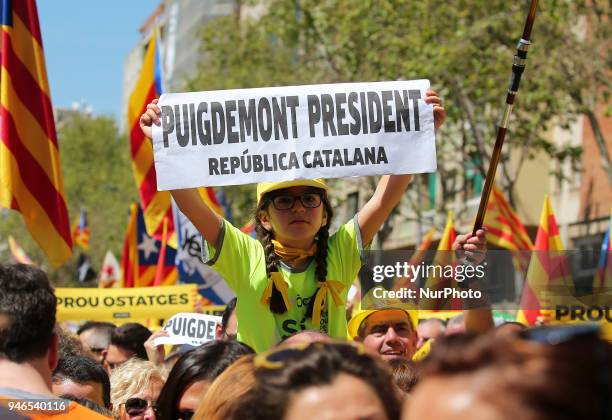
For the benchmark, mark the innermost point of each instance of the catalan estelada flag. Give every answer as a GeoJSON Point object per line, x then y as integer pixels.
{"type": "Point", "coordinates": [548, 269]}
{"type": "Point", "coordinates": [31, 180]}
{"type": "Point", "coordinates": [156, 204]}
{"type": "Point", "coordinates": [80, 231]}
{"type": "Point", "coordinates": [602, 283]}
{"type": "Point", "coordinates": [141, 254]}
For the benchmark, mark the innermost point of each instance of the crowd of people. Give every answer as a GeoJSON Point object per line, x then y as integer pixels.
{"type": "Point", "coordinates": [103, 370]}
{"type": "Point", "coordinates": [285, 347]}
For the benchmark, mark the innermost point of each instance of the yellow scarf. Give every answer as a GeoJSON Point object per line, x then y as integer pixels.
{"type": "Point", "coordinates": [293, 256]}
{"type": "Point", "coordinates": [277, 280]}
{"type": "Point", "coordinates": [334, 288]}
{"type": "Point", "coordinates": [297, 257]}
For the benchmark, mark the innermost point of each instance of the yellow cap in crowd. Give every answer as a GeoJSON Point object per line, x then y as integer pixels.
{"type": "Point", "coordinates": [266, 187]}
{"type": "Point", "coordinates": [373, 305]}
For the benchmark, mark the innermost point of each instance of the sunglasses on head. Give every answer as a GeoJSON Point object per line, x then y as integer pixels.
{"type": "Point", "coordinates": [280, 357]}
{"type": "Point", "coordinates": [309, 200]}
{"type": "Point", "coordinates": [137, 406]}
{"type": "Point", "coordinates": [555, 335]}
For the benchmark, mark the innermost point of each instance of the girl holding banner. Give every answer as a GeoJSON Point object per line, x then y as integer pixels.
{"type": "Point", "coordinates": [297, 276]}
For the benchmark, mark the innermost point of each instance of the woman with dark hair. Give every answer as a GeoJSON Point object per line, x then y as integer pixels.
{"type": "Point", "coordinates": [319, 381]}
{"type": "Point", "coordinates": [193, 373]}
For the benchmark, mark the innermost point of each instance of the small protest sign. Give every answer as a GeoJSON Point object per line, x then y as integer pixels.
{"type": "Point", "coordinates": [189, 328]}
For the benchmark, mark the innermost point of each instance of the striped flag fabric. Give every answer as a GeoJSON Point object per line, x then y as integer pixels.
{"type": "Point", "coordinates": [547, 267]}
{"type": "Point", "coordinates": [141, 254]}
{"type": "Point", "coordinates": [211, 286]}
{"type": "Point", "coordinates": [504, 228]}
{"type": "Point", "coordinates": [17, 252]}
{"type": "Point", "coordinates": [31, 180]}
{"type": "Point", "coordinates": [602, 283]}
{"type": "Point", "coordinates": [156, 204]}
{"type": "Point", "coordinates": [249, 229]}
{"type": "Point", "coordinates": [210, 198]}
{"type": "Point", "coordinates": [416, 259]}
{"type": "Point", "coordinates": [445, 257]}
{"type": "Point", "coordinates": [80, 231]}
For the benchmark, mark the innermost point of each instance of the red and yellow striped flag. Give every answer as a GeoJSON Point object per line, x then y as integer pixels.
{"type": "Point", "coordinates": [31, 179]}
{"type": "Point", "coordinates": [155, 204]}
{"type": "Point", "coordinates": [504, 228]}
{"type": "Point", "coordinates": [415, 259]}
{"type": "Point", "coordinates": [548, 267]}
{"type": "Point", "coordinates": [445, 257]}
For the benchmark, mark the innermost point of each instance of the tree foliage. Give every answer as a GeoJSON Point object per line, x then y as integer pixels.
{"type": "Point", "coordinates": [98, 176]}
{"type": "Point", "coordinates": [464, 47]}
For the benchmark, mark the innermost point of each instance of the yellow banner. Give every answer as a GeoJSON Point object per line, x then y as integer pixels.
{"type": "Point", "coordinates": [124, 304]}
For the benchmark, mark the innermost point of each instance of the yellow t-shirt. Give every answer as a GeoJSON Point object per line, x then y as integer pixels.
{"type": "Point", "coordinates": [240, 259]}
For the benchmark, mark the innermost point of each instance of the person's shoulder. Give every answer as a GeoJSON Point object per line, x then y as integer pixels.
{"type": "Point", "coordinates": [82, 412]}
{"type": "Point", "coordinates": [75, 411]}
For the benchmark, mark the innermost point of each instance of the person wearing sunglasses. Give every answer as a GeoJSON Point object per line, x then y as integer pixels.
{"type": "Point", "coordinates": [135, 387]}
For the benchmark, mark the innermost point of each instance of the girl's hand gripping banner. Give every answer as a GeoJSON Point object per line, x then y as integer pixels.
{"type": "Point", "coordinates": [243, 136]}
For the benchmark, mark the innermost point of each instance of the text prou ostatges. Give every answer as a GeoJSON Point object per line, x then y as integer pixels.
{"type": "Point", "coordinates": [340, 114]}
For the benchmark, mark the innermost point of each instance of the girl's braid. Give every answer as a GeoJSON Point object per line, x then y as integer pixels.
{"type": "Point", "coordinates": [321, 256]}
{"type": "Point", "coordinates": [277, 304]}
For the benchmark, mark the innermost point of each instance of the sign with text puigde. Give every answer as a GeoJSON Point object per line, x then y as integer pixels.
{"type": "Point", "coordinates": [243, 136]}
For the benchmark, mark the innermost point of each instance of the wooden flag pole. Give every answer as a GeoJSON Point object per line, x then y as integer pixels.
{"type": "Point", "coordinates": [518, 66]}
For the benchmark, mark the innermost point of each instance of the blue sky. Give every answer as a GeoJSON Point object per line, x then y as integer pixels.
{"type": "Point", "coordinates": [86, 43]}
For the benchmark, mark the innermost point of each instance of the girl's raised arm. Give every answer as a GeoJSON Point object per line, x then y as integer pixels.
{"type": "Point", "coordinates": [390, 188]}
{"type": "Point", "coordinates": [388, 193]}
{"type": "Point", "coordinates": [188, 200]}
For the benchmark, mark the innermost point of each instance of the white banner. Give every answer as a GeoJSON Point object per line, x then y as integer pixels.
{"type": "Point", "coordinates": [243, 136]}
{"type": "Point", "coordinates": [189, 328]}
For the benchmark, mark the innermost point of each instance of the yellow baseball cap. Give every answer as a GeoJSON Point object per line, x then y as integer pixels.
{"type": "Point", "coordinates": [266, 187]}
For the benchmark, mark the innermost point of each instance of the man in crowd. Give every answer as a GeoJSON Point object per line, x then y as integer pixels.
{"type": "Point", "coordinates": [228, 329]}
{"type": "Point", "coordinates": [95, 337]}
{"type": "Point", "coordinates": [28, 344]}
{"type": "Point", "coordinates": [81, 377]}
{"type": "Point", "coordinates": [126, 341]}
{"type": "Point", "coordinates": [429, 329]}
{"type": "Point", "coordinates": [389, 331]}
{"type": "Point", "coordinates": [389, 327]}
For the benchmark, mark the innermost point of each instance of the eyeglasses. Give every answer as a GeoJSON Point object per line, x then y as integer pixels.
{"type": "Point", "coordinates": [137, 406]}
{"type": "Point", "coordinates": [286, 202]}
{"type": "Point", "coordinates": [185, 415]}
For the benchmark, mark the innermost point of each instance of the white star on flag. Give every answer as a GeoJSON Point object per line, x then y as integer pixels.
{"type": "Point", "coordinates": [147, 246]}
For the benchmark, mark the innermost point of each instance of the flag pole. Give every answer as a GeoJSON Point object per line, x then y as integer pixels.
{"type": "Point", "coordinates": [518, 66]}
{"type": "Point", "coordinates": [162, 254]}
